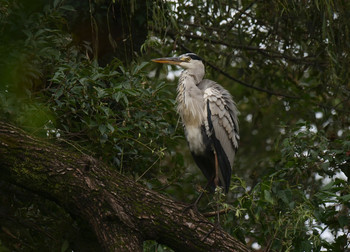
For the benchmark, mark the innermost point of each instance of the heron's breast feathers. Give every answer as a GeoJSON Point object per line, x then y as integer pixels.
{"type": "Point", "coordinates": [190, 103]}
{"type": "Point", "coordinates": [190, 106]}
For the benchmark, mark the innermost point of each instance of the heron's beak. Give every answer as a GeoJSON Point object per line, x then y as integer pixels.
{"type": "Point", "coordinates": [170, 60]}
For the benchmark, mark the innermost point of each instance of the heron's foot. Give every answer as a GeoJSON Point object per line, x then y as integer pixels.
{"type": "Point", "coordinates": [191, 208]}
{"type": "Point", "coordinates": [216, 226]}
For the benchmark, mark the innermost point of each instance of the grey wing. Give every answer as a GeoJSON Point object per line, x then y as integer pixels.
{"type": "Point", "coordinates": [222, 127]}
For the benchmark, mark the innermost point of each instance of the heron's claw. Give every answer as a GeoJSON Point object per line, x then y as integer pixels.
{"type": "Point", "coordinates": [215, 227]}
{"type": "Point", "coordinates": [192, 208]}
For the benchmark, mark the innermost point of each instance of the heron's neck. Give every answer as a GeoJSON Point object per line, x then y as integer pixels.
{"type": "Point", "coordinates": [193, 76]}
{"type": "Point", "coordinates": [190, 98]}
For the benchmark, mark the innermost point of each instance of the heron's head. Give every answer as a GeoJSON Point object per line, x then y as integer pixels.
{"type": "Point", "coordinates": [187, 61]}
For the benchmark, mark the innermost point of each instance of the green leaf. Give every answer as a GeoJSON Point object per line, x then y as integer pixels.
{"type": "Point", "coordinates": [268, 197]}
{"type": "Point", "coordinates": [100, 92]}
{"type": "Point", "coordinates": [65, 246]}
{"type": "Point", "coordinates": [58, 93]}
{"type": "Point", "coordinates": [285, 196]}
{"type": "Point", "coordinates": [344, 220]}
{"type": "Point", "coordinates": [67, 7]}
{"type": "Point", "coordinates": [345, 198]}
{"type": "Point", "coordinates": [56, 3]}
{"type": "Point", "coordinates": [117, 96]}
{"type": "Point", "coordinates": [102, 128]}
{"type": "Point", "coordinates": [110, 127]}
{"type": "Point", "coordinates": [140, 67]}
{"type": "Point", "coordinates": [105, 110]}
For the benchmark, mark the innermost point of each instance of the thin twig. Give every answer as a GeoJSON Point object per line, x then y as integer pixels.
{"type": "Point", "coordinates": [249, 85]}
{"type": "Point", "coordinates": [215, 213]}
{"type": "Point", "coordinates": [242, 82]}
{"type": "Point", "coordinates": [147, 169]}
{"type": "Point", "coordinates": [266, 52]}
{"type": "Point", "coordinates": [238, 16]}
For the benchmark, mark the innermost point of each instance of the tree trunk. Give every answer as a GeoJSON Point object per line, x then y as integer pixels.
{"type": "Point", "coordinates": [119, 211]}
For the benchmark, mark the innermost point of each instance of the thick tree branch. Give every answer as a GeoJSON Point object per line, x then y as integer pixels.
{"type": "Point", "coordinates": [121, 213]}
{"type": "Point", "coordinates": [18, 225]}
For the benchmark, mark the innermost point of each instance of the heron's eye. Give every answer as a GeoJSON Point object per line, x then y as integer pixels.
{"type": "Point", "coordinates": [187, 59]}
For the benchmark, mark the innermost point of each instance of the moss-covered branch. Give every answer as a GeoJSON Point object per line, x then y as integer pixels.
{"type": "Point", "coordinates": [119, 211]}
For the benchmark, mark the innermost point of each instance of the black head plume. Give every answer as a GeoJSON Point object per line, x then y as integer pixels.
{"type": "Point", "coordinates": [194, 56]}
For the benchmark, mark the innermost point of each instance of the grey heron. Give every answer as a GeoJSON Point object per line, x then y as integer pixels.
{"type": "Point", "coordinates": [209, 116]}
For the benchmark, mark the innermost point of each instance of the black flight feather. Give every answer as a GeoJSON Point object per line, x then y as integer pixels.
{"type": "Point", "coordinates": [224, 163]}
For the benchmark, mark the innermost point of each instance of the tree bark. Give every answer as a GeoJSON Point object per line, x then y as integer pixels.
{"type": "Point", "coordinates": [121, 212]}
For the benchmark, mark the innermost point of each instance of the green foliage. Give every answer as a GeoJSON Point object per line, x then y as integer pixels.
{"type": "Point", "coordinates": [31, 46]}
{"type": "Point", "coordinates": [111, 112]}
{"type": "Point", "coordinates": [291, 208]}
{"type": "Point", "coordinates": [115, 113]}
{"type": "Point", "coordinates": [150, 246]}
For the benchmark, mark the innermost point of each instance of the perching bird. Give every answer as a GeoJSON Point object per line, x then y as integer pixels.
{"type": "Point", "coordinates": [209, 116]}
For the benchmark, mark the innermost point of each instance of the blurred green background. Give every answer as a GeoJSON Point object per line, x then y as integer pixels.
{"type": "Point", "coordinates": [78, 73]}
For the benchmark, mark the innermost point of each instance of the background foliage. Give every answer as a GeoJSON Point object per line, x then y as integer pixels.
{"type": "Point", "coordinates": [78, 72]}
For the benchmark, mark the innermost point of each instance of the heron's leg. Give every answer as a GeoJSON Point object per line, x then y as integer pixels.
{"type": "Point", "coordinates": [217, 220]}
{"type": "Point", "coordinates": [198, 199]}
{"type": "Point", "coordinates": [216, 178]}
{"type": "Point", "coordinates": [216, 182]}
{"type": "Point", "coordinates": [216, 195]}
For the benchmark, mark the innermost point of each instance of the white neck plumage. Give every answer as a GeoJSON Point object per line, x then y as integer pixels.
{"type": "Point", "coordinates": [190, 98]}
